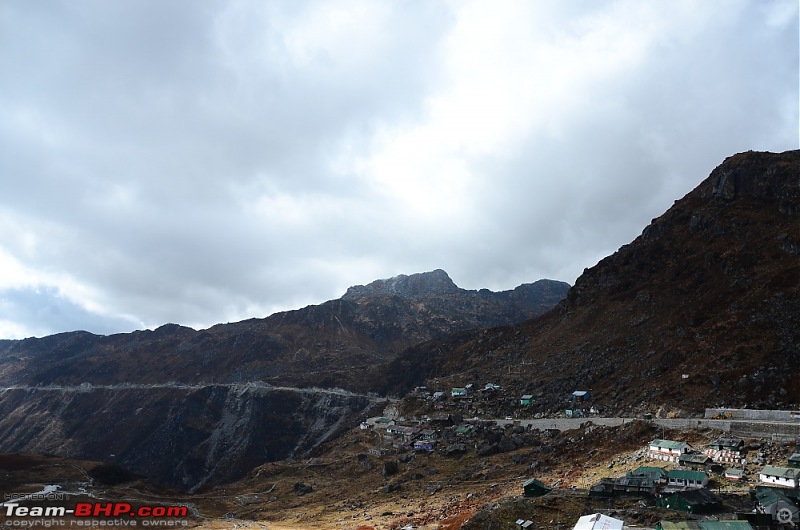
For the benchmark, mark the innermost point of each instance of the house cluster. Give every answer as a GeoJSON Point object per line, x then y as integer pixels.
{"type": "Point", "coordinates": [776, 496]}
{"type": "Point", "coordinates": [418, 435]}
{"type": "Point", "coordinates": [650, 481]}
{"type": "Point", "coordinates": [468, 398]}
{"type": "Point", "coordinates": [722, 452]}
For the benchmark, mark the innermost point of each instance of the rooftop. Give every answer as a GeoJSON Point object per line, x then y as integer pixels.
{"type": "Point", "coordinates": [668, 444]}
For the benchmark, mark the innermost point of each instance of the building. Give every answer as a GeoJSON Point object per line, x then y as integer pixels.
{"type": "Point", "coordinates": [526, 400]}
{"type": "Point", "coordinates": [598, 521]}
{"type": "Point", "coordinates": [657, 474]}
{"type": "Point", "coordinates": [442, 420]}
{"type": "Point", "coordinates": [694, 460]}
{"type": "Point", "coordinates": [727, 450]}
{"type": "Point", "coordinates": [778, 505]}
{"type": "Point", "coordinates": [534, 488]}
{"type": "Point", "coordinates": [694, 501]}
{"type": "Point", "coordinates": [424, 445]}
{"type": "Point", "coordinates": [582, 395]}
{"type": "Point", "coordinates": [458, 392]}
{"type": "Point", "coordinates": [640, 486]}
{"type": "Point", "coordinates": [667, 450]}
{"type": "Point", "coordinates": [683, 478]}
{"type": "Point", "coordinates": [794, 460]}
{"type": "Point", "coordinates": [428, 434]}
{"type": "Point", "coordinates": [407, 434]}
{"type": "Point", "coordinates": [780, 476]}
{"type": "Point", "coordinates": [733, 473]}
{"type": "Point", "coordinates": [378, 422]}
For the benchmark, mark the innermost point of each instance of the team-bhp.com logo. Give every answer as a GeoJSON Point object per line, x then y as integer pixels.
{"type": "Point", "coordinates": [86, 514]}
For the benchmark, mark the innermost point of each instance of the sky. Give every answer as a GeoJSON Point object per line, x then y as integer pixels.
{"type": "Point", "coordinates": [201, 162]}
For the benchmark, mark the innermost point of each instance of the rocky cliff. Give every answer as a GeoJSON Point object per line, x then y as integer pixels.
{"type": "Point", "coordinates": [700, 310]}
{"type": "Point", "coordinates": [179, 435]}
{"type": "Point", "coordinates": [186, 407]}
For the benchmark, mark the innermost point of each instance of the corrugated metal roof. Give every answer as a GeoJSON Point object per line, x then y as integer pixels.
{"type": "Point", "coordinates": [694, 458]}
{"type": "Point", "coordinates": [687, 475]}
{"type": "Point", "coordinates": [648, 470]}
{"type": "Point", "coordinates": [733, 443]}
{"type": "Point", "coordinates": [777, 471]}
{"type": "Point", "coordinates": [668, 444]}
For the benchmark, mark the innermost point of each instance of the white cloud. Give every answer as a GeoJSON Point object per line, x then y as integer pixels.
{"type": "Point", "coordinates": [206, 163]}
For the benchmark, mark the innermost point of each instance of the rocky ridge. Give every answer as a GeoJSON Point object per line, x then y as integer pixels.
{"type": "Point", "coordinates": [205, 406]}
{"type": "Point", "coordinates": [700, 310]}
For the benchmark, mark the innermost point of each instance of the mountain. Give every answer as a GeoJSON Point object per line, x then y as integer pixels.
{"type": "Point", "coordinates": [700, 310]}
{"type": "Point", "coordinates": [186, 408]}
{"type": "Point", "coordinates": [330, 345]}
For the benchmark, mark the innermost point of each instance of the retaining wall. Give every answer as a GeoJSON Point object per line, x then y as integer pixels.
{"type": "Point", "coordinates": [754, 415]}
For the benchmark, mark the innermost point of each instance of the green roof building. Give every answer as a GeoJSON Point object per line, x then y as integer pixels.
{"type": "Point", "coordinates": [534, 488]}
{"type": "Point", "coordinates": [691, 501]}
{"type": "Point", "coordinates": [684, 478]}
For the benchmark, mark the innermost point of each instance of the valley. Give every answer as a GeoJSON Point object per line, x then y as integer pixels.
{"type": "Point", "coordinates": [412, 403]}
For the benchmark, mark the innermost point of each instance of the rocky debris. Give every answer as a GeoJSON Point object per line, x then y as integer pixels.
{"type": "Point", "coordinates": [406, 458]}
{"type": "Point", "coordinates": [390, 468]}
{"type": "Point", "coordinates": [302, 489]}
{"type": "Point", "coordinates": [390, 488]}
{"type": "Point", "coordinates": [455, 449]}
{"type": "Point", "coordinates": [768, 452]}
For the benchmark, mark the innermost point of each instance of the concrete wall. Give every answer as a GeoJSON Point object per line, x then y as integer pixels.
{"type": "Point", "coordinates": [788, 431]}
{"type": "Point", "coordinates": [755, 415]}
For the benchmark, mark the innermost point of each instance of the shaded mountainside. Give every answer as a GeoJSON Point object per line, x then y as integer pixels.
{"type": "Point", "coordinates": [333, 344]}
{"type": "Point", "coordinates": [188, 408]}
{"type": "Point", "coordinates": [702, 309]}
{"type": "Point", "coordinates": [181, 436]}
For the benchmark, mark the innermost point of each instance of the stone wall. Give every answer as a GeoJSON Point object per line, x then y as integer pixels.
{"type": "Point", "coordinates": [754, 415]}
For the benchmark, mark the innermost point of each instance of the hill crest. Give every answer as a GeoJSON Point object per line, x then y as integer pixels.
{"type": "Point", "coordinates": [698, 311]}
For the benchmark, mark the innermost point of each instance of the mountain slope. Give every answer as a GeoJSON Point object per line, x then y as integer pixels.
{"type": "Point", "coordinates": [187, 408]}
{"type": "Point", "coordinates": [702, 309]}
{"type": "Point", "coordinates": [327, 345]}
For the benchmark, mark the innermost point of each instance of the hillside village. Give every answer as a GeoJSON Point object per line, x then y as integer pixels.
{"type": "Point", "coordinates": [594, 414]}
{"type": "Point", "coordinates": [675, 475]}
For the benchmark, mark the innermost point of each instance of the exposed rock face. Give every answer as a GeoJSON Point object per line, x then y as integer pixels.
{"type": "Point", "coordinates": [700, 310]}
{"type": "Point", "coordinates": [186, 407]}
{"type": "Point", "coordinates": [179, 435]}
{"type": "Point", "coordinates": [424, 284]}
{"type": "Point", "coordinates": [339, 344]}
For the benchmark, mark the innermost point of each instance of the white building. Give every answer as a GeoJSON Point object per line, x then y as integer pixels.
{"type": "Point", "coordinates": [667, 450]}
{"type": "Point", "coordinates": [780, 476]}
{"type": "Point", "coordinates": [598, 521]}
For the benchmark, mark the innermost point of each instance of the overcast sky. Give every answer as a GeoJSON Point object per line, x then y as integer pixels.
{"type": "Point", "coordinates": [199, 162]}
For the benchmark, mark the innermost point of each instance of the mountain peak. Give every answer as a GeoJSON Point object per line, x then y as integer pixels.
{"type": "Point", "coordinates": [420, 284]}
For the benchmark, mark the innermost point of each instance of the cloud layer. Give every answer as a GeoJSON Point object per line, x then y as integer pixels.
{"type": "Point", "coordinates": [208, 162]}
